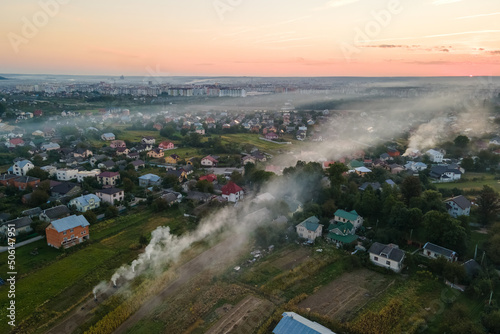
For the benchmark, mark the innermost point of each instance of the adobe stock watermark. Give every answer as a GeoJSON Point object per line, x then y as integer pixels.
{"type": "Point", "coordinates": [381, 19]}
{"type": "Point", "coordinates": [32, 26]}
{"type": "Point", "coordinates": [223, 6]}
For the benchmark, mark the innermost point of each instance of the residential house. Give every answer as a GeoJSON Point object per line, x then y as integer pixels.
{"type": "Point", "coordinates": [375, 186]}
{"type": "Point", "coordinates": [38, 133]}
{"type": "Point", "coordinates": [50, 147]}
{"type": "Point", "coordinates": [271, 136]}
{"type": "Point", "coordinates": [108, 178]}
{"type": "Point", "coordinates": [108, 136]}
{"type": "Point", "coordinates": [179, 173]}
{"type": "Point", "coordinates": [387, 256]}
{"type": "Point", "coordinates": [188, 169]}
{"type": "Point", "coordinates": [495, 141]}
{"type": "Point", "coordinates": [23, 182]}
{"type": "Point", "coordinates": [209, 161]}
{"type": "Point", "coordinates": [85, 202]}
{"type": "Point", "coordinates": [20, 168]}
{"type": "Point", "coordinates": [122, 151]}
{"type": "Point", "coordinates": [415, 166]}
{"type": "Point", "coordinates": [352, 217]}
{"type": "Point", "coordinates": [166, 145]}
{"type": "Point", "coordinates": [81, 175]}
{"type": "Point", "coordinates": [66, 174]}
{"type": "Point", "coordinates": [138, 164]}
{"type": "Point", "coordinates": [110, 195]}
{"type": "Point", "coordinates": [210, 178]}
{"type": "Point", "coordinates": [309, 229]}
{"type": "Point", "coordinates": [15, 142]}
{"type": "Point", "coordinates": [200, 130]}
{"type": "Point", "coordinates": [172, 159]}
{"type": "Point", "coordinates": [341, 233]}
{"type": "Point", "coordinates": [149, 180]}
{"type": "Point", "coordinates": [7, 179]}
{"type": "Point", "coordinates": [362, 171]}
{"type": "Point", "coordinates": [395, 168]}
{"type": "Point", "coordinates": [133, 155]}
{"type": "Point", "coordinates": [156, 153]}
{"type": "Point", "coordinates": [148, 140]}
{"type": "Point", "coordinates": [22, 226]}
{"type": "Point", "coordinates": [82, 153]}
{"type": "Point", "coordinates": [54, 213]}
{"type": "Point", "coordinates": [292, 323]}
{"type": "Point", "coordinates": [108, 164]}
{"type": "Point", "coordinates": [435, 156]}
{"type": "Point", "coordinates": [445, 174]}
{"type": "Point", "coordinates": [433, 251]}
{"type": "Point", "coordinates": [65, 189]}
{"type": "Point", "coordinates": [458, 206]}
{"type": "Point", "coordinates": [247, 159]}
{"type": "Point", "coordinates": [393, 152]}
{"type": "Point", "coordinates": [232, 192]}
{"type": "Point", "coordinates": [52, 170]}
{"type": "Point", "coordinates": [67, 232]}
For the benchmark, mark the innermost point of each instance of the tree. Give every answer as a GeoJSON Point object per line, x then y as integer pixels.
{"type": "Point", "coordinates": [111, 212]}
{"type": "Point", "coordinates": [467, 164]}
{"type": "Point", "coordinates": [461, 141]}
{"type": "Point", "coordinates": [38, 197]}
{"type": "Point", "coordinates": [128, 185]}
{"type": "Point", "coordinates": [170, 181]}
{"type": "Point", "coordinates": [411, 187]}
{"type": "Point", "coordinates": [90, 216]}
{"type": "Point", "coordinates": [336, 173]}
{"type": "Point", "coordinates": [488, 205]}
{"type": "Point", "coordinates": [205, 186]}
{"type": "Point", "coordinates": [3, 108]}
{"type": "Point", "coordinates": [38, 173]}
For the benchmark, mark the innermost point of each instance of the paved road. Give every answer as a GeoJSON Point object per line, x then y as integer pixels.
{"type": "Point", "coordinates": [22, 243]}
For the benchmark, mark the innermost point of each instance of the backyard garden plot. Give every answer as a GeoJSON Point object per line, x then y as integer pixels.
{"type": "Point", "coordinates": [340, 299]}
{"type": "Point", "coordinates": [243, 317]}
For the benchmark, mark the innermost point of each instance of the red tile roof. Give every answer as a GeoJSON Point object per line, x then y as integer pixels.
{"type": "Point", "coordinates": [231, 188]}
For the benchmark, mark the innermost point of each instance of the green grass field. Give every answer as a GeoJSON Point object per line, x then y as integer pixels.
{"type": "Point", "coordinates": [252, 139]}
{"type": "Point", "coordinates": [54, 280]}
{"type": "Point", "coordinates": [472, 181]}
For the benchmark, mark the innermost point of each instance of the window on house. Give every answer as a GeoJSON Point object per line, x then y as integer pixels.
{"type": "Point", "coordinates": [375, 258]}
{"type": "Point", "coordinates": [64, 233]}
{"type": "Point", "coordinates": [72, 236]}
{"type": "Point", "coordinates": [388, 263]}
{"type": "Point", "coordinates": [71, 230]}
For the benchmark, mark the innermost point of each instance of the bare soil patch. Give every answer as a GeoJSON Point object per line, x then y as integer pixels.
{"type": "Point", "coordinates": [244, 317]}
{"type": "Point", "coordinates": [343, 297]}
{"type": "Point", "coordinates": [292, 258]}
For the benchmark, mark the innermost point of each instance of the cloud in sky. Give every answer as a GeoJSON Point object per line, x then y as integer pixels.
{"type": "Point", "coordinates": [477, 15]}
{"type": "Point", "coordinates": [335, 4]}
{"type": "Point", "coordinates": [444, 2]}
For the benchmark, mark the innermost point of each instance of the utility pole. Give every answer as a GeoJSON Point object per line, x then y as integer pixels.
{"type": "Point", "coordinates": [475, 253]}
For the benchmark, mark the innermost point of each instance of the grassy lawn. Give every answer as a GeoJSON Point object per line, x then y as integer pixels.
{"type": "Point", "coordinates": [252, 139]}
{"type": "Point", "coordinates": [472, 181]}
{"type": "Point", "coordinates": [53, 281]}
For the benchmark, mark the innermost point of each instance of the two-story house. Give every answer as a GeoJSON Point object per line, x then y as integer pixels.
{"type": "Point", "coordinates": [67, 232]}
{"type": "Point", "coordinates": [458, 206]}
{"type": "Point", "coordinates": [111, 195]}
{"type": "Point", "coordinates": [309, 229]}
{"type": "Point", "coordinates": [20, 168]}
{"type": "Point", "coordinates": [66, 174]}
{"type": "Point", "coordinates": [85, 202]}
{"type": "Point", "coordinates": [352, 217]}
{"type": "Point", "coordinates": [108, 178]}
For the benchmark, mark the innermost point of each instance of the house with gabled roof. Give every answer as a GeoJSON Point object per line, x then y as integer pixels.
{"type": "Point", "coordinates": [172, 159]}
{"type": "Point", "coordinates": [387, 256]}
{"type": "Point", "coordinates": [310, 228]}
{"type": "Point", "coordinates": [85, 202]}
{"type": "Point", "coordinates": [209, 161]}
{"type": "Point", "coordinates": [21, 225]}
{"type": "Point", "coordinates": [54, 213]}
{"type": "Point", "coordinates": [111, 195]}
{"type": "Point", "coordinates": [156, 153]}
{"type": "Point", "coordinates": [149, 180]}
{"type": "Point", "coordinates": [67, 232]}
{"type": "Point", "coordinates": [458, 206]}
{"type": "Point", "coordinates": [21, 167]}
{"type": "Point", "coordinates": [166, 145]}
{"type": "Point", "coordinates": [341, 233]}
{"type": "Point", "coordinates": [65, 189]}
{"type": "Point", "coordinates": [148, 140]}
{"type": "Point", "coordinates": [342, 216]}
{"type": "Point", "coordinates": [445, 173]}
{"type": "Point", "coordinates": [23, 182]}
{"type": "Point", "coordinates": [293, 323]}
{"type": "Point", "coordinates": [434, 251]}
{"type": "Point", "coordinates": [435, 155]}
{"type": "Point", "coordinates": [108, 136]}
{"type": "Point", "coordinates": [232, 192]}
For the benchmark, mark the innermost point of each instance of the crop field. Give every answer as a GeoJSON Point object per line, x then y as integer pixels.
{"type": "Point", "coordinates": [52, 281]}
{"type": "Point", "coordinates": [341, 298]}
{"type": "Point", "coordinates": [253, 139]}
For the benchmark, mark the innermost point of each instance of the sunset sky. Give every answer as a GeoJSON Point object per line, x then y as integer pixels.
{"type": "Point", "coordinates": [252, 37]}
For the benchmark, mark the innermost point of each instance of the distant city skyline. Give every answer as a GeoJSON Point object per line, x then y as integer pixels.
{"type": "Point", "coordinates": [252, 38]}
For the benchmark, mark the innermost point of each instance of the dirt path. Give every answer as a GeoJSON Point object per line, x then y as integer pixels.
{"type": "Point", "coordinates": [218, 255]}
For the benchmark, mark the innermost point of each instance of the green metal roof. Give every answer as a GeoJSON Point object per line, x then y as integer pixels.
{"type": "Point", "coordinates": [311, 223]}
{"type": "Point", "coordinates": [345, 228]}
{"type": "Point", "coordinates": [356, 163]}
{"type": "Point", "coordinates": [353, 215]}
{"type": "Point", "coordinates": [346, 239]}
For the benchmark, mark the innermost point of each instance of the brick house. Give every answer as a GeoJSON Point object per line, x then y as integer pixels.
{"type": "Point", "coordinates": [23, 182]}
{"type": "Point", "coordinates": [67, 232]}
